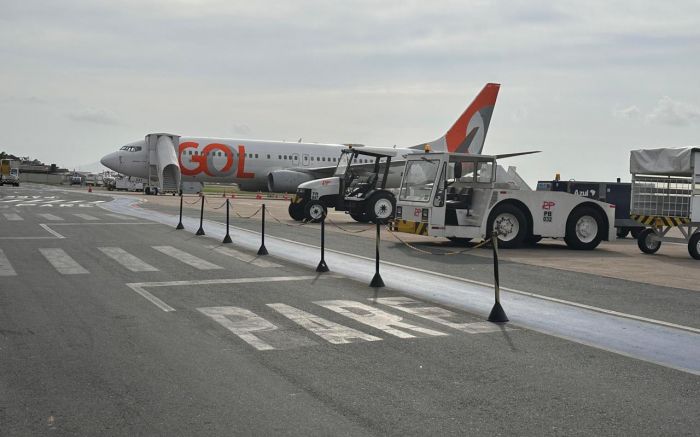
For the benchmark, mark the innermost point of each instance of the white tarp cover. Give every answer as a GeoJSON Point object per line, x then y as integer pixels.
{"type": "Point", "coordinates": [665, 161]}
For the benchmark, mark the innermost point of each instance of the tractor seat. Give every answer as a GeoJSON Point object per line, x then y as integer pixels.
{"type": "Point", "coordinates": [461, 200]}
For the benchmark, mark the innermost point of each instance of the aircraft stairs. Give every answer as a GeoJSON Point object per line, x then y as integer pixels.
{"type": "Point", "coordinates": [163, 169]}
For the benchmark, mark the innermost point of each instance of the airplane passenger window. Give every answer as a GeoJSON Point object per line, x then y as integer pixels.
{"type": "Point", "coordinates": [256, 156]}
{"type": "Point", "coordinates": [323, 159]}
{"type": "Point", "coordinates": [268, 156]}
{"type": "Point", "coordinates": [279, 156]}
{"type": "Point", "coordinates": [318, 158]}
{"type": "Point", "coordinates": [285, 156]}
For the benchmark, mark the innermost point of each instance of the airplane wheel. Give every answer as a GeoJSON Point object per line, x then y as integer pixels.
{"type": "Point", "coordinates": [694, 245]}
{"type": "Point", "coordinates": [511, 224]}
{"type": "Point", "coordinates": [646, 243]}
{"type": "Point", "coordinates": [584, 229]}
{"type": "Point", "coordinates": [296, 211]}
{"type": "Point", "coordinates": [380, 208]}
{"type": "Point", "coordinates": [314, 211]}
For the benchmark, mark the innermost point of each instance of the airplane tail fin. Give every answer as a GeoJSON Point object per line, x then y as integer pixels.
{"type": "Point", "coordinates": [468, 133]}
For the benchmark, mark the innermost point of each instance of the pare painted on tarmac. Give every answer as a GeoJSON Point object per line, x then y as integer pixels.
{"type": "Point", "coordinates": [264, 335]}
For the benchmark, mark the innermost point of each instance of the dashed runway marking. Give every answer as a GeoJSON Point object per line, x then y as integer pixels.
{"type": "Point", "coordinates": [245, 257]}
{"type": "Point", "coordinates": [119, 216]}
{"type": "Point", "coordinates": [86, 217]}
{"type": "Point", "coordinates": [5, 266]}
{"type": "Point", "coordinates": [127, 260]}
{"type": "Point", "coordinates": [51, 217]}
{"type": "Point", "coordinates": [62, 262]}
{"type": "Point", "coordinates": [194, 261]}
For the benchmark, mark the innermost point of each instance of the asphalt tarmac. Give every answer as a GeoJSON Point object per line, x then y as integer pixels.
{"type": "Point", "coordinates": [115, 325]}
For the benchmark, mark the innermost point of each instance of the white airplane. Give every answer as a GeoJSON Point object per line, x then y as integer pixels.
{"type": "Point", "coordinates": [281, 166]}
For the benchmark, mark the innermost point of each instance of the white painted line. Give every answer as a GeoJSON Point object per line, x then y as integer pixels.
{"type": "Point", "coordinates": [140, 287]}
{"type": "Point", "coordinates": [331, 332]}
{"type": "Point", "coordinates": [50, 217]}
{"type": "Point", "coordinates": [151, 298]}
{"type": "Point", "coordinates": [52, 201]}
{"type": "Point", "coordinates": [62, 262]}
{"type": "Point", "coordinates": [127, 260]}
{"type": "Point", "coordinates": [45, 227]}
{"type": "Point", "coordinates": [12, 216]}
{"type": "Point", "coordinates": [245, 257]}
{"type": "Point", "coordinates": [103, 224]}
{"type": "Point", "coordinates": [376, 318]}
{"type": "Point", "coordinates": [120, 216]}
{"type": "Point", "coordinates": [86, 217]}
{"type": "Point", "coordinates": [51, 231]}
{"type": "Point", "coordinates": [438, 315]}
{"type": "Point", "coordinates": [194, 261]}
{"type": "Point", "coordinates": [5, 266]}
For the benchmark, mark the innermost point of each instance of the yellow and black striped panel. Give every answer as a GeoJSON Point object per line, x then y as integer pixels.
{"type": "Point", "coordinates": [411, 227]}
{"type": "Point", "coordinates": [658, 220]}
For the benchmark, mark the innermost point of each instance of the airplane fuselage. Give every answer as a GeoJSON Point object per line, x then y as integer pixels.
{"type": "Point", "coordinates": [245, 162]}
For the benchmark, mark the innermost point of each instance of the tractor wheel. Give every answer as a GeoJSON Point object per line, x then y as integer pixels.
{"type": "Point", "coordinates": [511, 224]}
{"type": "Point", "coordinates": [584, 229]}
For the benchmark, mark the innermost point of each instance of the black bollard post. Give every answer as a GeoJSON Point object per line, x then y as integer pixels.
{"type": "Point", "coordinates": [263, 249]}
{"type": "Point", "coordinates": [179, 225]}
{"type": "Point", "coordinates": [322, 267]}
{"type": "Point", "coordinates": [227, 238]}
{"type": "Point", "coordinates": [377, 281]}
{"type": "Point", "coordinates": [498, 315]}
{"type": "Point", "coordinates": [200, 231]}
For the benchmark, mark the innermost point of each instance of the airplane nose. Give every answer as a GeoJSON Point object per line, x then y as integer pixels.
{"type": "Point", "coordinates": [111, 161]}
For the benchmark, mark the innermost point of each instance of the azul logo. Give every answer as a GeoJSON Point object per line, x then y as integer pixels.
{"type": "Point", "coordinates": [585, 193]}
{"type": "Point", "coordinates": [204, 160]}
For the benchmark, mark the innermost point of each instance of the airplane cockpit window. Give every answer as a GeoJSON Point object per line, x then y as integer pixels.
{"type": "Point", "coordinates": [131, 148]}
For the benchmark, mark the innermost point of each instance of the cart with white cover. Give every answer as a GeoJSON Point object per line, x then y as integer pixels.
{"type": "Point", "coordinates": [666, 195]}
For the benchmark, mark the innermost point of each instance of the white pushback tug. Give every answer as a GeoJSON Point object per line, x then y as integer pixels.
{"type": "Point", "coordinates": [457, 196]}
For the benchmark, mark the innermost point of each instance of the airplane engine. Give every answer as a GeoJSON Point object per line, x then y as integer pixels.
{"type": "Point", "coordinates": [286, 181]}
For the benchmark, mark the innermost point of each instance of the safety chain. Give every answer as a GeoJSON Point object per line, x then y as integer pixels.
{"type": "Point", "coordinates": [215, 207]}
{"type": "Point", "coordinates": [388, 228]}
{"type": "Point", "coordinates": [192, 203]}
{"type": "Point", "coordinates": [304, 223]}
{"type": "Point", "coordinates": [252, 215]}
{"type": "Point", "coordinates": [347, 230]}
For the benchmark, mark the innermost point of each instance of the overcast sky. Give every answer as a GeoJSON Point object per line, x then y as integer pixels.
{"type": "Point", "coordinates": [585, 82]}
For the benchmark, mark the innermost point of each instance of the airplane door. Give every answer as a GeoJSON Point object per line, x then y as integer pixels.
{"type": "Point", "coordinates": [295, 159]}
{"type": "Point", "coordinates": [305, 159]}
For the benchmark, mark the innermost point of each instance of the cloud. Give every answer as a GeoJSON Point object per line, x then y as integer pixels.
{"type": "Point", "coordinates": [96, 116]}
{"type": "Point", "coordinates": [629, 113]}
{"type": "Point", "coordinates": [674, 113]}
{"type": "Point", "coordinates": [241, 129]}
